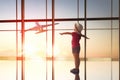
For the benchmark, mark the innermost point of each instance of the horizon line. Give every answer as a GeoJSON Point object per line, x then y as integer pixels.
{"type": "Point", "coordinates": [59, 58]}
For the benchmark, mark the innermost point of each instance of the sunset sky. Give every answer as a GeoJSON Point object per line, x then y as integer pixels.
{"type": "Point", "coordinates": [99, 44]}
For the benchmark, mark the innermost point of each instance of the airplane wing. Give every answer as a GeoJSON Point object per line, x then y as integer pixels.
{"type": "Point", "coordinates": [49, 25]}
{"type": "Point", "coordinates": [42, 26]}
{"type": "Point", "coordinates": [35, 28]}
{"type": "Point", "coordinates": [37, 24]}
{"type": "Point", "coordinates": [39, 27]}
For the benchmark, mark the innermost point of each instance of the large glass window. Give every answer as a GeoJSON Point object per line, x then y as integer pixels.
{"type": "Point", "coordinates": [47, 55]}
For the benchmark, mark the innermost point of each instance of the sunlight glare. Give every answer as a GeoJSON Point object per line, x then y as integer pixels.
{"type": "Point", "coordinates": [30, 50]}
{"type": "Point", "coordinates": [56, 50]}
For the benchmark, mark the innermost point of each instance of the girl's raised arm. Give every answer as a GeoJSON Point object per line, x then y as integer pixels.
{"type": "Point", "coordinates": [66, 33]}
{"type": "Point", "coordinates": [84, 36]}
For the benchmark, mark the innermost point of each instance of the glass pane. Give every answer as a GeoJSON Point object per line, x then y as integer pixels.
{"type": "Point", "coordinates": [99, 25]}
{"type": "Point", "coordinates": [35, 9]}
{"type": "Point", "coordinates": [65, 9]}
{"type": "Point", "coordinates": [35, 69]}
{"type": "Point", "coordinates": [100, 44]}
{"type": "Point", "coordinates": [19, 9]}
{"type": "Point", "coordinates": [115, 8]}
{"type": "Point", "coordinates": [99, 8]}
{"type": "Point", "coordinates": [115, 70]}
{"type": "Point", "coordinates": [35, 44]}
{"type": "Point", "coordinates": [101, 70]}
{"type": "Point", "coordinates": [8, 34]}
{"type": "Point", "coordinates": [8, 38]}
{"type": "Point", "coordinates": [7, 9]}
{"type": "Point", "coordinates": [6, 68]}
{"type": "Point", "coordinates": [115, 44]}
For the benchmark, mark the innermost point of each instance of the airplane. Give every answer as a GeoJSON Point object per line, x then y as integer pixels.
{"type": "Point", "coordinates": [39, 28]}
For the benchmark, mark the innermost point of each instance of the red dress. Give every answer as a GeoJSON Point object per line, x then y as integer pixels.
{"type": "Point", "coordinates": [75, 39]}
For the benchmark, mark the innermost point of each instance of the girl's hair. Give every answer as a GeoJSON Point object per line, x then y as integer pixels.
{"type": "Point", "coordinates": [78, 27]}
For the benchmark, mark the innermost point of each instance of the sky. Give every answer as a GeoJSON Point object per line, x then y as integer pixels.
{"type": "Point", "coordinates": [98, 46]}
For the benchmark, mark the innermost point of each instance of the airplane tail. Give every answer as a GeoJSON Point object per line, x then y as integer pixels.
{"type": "Point", "coordinates": [37, 23]}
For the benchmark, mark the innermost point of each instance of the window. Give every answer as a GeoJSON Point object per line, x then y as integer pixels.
{"type": "Point", "coordinates": [31, 56]}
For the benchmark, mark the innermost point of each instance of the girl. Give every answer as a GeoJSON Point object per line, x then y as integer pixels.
{"type": "Point", "coordinates": [76, 36]}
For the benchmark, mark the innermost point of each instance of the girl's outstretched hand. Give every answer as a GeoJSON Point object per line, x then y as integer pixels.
{"type": "Point", "coordinates": [61, 33]}
{"type": "Point", "coordinates": [87, 38]}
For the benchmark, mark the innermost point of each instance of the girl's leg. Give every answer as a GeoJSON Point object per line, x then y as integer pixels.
{"type": "Point", "coordinates": [77, 63]}
{"type": "Point", "coordinates": [77, 60]}
{"type": "Point", "coordinates": [77, 77]}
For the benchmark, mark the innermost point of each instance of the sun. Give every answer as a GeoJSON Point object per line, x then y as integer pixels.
{"type": "Point", "coordinates": [56, 50]}
{"type": "Point", "coordinates": [30, 50]}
